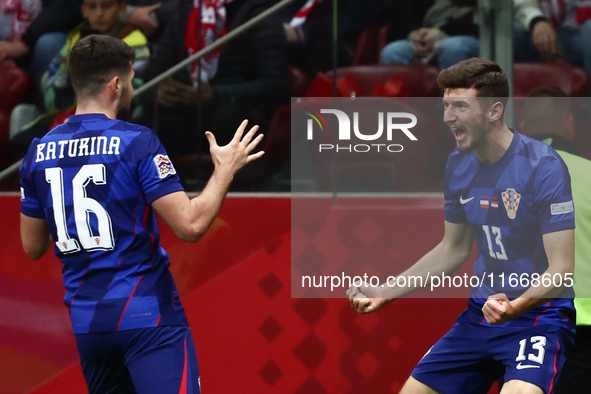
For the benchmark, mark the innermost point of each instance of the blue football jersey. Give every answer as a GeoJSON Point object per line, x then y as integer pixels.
{"type": "Point", "coordinates": [93, 179]}
{"type": "Point", "coordinates": [510, 204]}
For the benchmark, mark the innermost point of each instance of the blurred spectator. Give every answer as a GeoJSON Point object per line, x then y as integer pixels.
{"type": "Point", "coordinates": [44, 37]}
{"type": "Point", "coordinates": [150, 16]}
{"type": "Point", "coordinates": [548, 117]}
{"type": "Point", "coordinates": [565, 39]}
{"type": "Point", "coordinates": [406, 16]}
{"type": "Point", "coordinates": [101, 17]}
{"type": "Point", "coordinates": [16, 16]}
{"type": "Point", "coordinates": [449, 33]}
{"type": "Point", "coordinates": [246, 79]}
{"type": "Point", "coordinates": [48, 31]}
{"type": "Point", "coordinates": [309, 30]}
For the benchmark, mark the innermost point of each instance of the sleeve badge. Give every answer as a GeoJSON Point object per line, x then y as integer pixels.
{"type": "Point", "coordinates": [164, 166]}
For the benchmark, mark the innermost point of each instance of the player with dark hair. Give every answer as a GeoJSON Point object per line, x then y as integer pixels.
{"type": "Point", "coordinates": [512, 195]}
{"type": "Point", "coordinates": [91, 188]}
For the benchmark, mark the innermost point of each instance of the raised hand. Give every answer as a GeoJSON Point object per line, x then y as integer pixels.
{"type": "Point", "coordinates": [237, 153]}
{"type": "Point", "coordinates": [141, 18]}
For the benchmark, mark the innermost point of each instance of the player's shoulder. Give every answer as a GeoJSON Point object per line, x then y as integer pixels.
{"type": "Point", "coordinates": [141, 135]}
{"type": "Point", "coordinates": [536, 151]}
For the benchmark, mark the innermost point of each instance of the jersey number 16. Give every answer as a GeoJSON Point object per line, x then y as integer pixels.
{"type": "Point", "coordinates": [83, 206]}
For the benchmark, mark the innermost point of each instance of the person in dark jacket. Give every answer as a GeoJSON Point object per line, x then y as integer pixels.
{"type": "Point", "coordinates": [250, 81]}
{"type": "Point", "coordinates": [309, 29]}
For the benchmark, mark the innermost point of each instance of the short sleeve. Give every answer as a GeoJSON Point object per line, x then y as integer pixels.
{"type": "Point", "coordinates": [30, 205]}
{"type": "Point", "coordinates": [454, 210]}
{"type": "Point", "coordinates": [554, 197]}
{"type": "Point", "coordinates": [156, 173]}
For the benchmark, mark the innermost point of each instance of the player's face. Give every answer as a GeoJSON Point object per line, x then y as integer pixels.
{"type": "Point", "coordinates": [124, 106]}
{"type": "Point", "coordinates": [464, 114]}
{"type": "Point", "coordinates": [102, 15]}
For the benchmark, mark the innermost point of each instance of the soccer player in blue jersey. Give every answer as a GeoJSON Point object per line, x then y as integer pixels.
{"type": "Point", "coordinates": [512, 195]}
{"type": "Point", "coordinates": [91, 188]}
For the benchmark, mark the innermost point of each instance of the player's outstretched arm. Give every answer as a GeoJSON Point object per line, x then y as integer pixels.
{"type": "Point", "coordinates": [190, 218]}
{"type": "Point", "coordinates": [560, 249]}
{"type": "Point", "coordinates": [35, 236]}
{"type": "Point", "coordinates": [445, 258]}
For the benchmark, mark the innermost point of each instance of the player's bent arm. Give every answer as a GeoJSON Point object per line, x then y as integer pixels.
{"type": "Point", "coordinates": [189, 218]}
{"type": "Point", "coordinates": [453, 250]}
{"type": "Point", "coordinates": [445, 258]}
{"type": "Point", "coordinates": [560, 250]}
{"type": "Point", "coordinates": [35, 236]}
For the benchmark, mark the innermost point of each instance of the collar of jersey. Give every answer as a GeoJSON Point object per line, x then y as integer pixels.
{"type": "Point", "coordinates": [507, 153]}
{"type": "Point", "coordinates": [87, 117]}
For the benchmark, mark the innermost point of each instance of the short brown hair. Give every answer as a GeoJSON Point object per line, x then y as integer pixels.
{"type": "Point", "coordinates": [95, 59]}
{"type": "Point", "coordinates": [485, 76]}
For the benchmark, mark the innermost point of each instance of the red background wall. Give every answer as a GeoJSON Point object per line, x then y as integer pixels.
{"type": "Point", "coordinates": [251, 336]}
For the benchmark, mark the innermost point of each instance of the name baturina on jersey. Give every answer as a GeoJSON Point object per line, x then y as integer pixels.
{"type": "Point", "coordinates": [78, 147]}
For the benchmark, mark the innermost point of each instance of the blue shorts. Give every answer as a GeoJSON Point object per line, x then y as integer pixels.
{"type": "Point", "coordinates": [471, 357]}
{"type": "Point", "coordinates": [147, 360]}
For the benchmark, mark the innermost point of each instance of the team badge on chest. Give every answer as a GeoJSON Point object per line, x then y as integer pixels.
{"type": "Point", "coordinates": [511, 202]}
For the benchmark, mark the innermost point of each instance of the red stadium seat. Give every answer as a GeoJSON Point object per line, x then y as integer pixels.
{"type": "Point", "coordinates": [366, 50]}
{"type": "Point", "coordinates": [574, 81]}
{"type": "Point", "coordinates": [419, 80]}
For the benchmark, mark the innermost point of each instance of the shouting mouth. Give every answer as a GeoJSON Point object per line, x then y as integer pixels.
{"type": "Point", "coordinates": [459, 133]}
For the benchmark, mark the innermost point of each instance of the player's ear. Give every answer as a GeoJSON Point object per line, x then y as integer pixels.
{"type": "Point", "coordinates": [115, 85]}
{"type": "Point", "coordinates": [495, 112]}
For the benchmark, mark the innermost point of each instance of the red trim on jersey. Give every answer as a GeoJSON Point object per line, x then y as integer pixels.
{"type": "Point", "coordinates": [158, 321]}
{"type": "Point", "coordinates": [183, 389]}
{"type": "Point", "coordinates": [123, 256]}
{"type": "Point", "coordinates": [146, 211]}
{"type": "Point", "coordinates": [544, 311]}
{"type": "Point", "coordinates": [129, 299]}
{"type": "Point", "coordinates": [152, 243]}
{"type": "Point", "coordinates": [555, 369]}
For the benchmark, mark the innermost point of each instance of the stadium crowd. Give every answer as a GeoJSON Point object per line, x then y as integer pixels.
{"type": "Point", "coordinates": [254, 75]}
